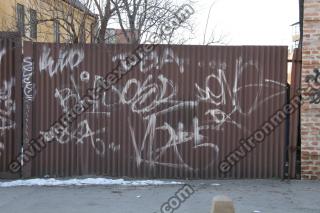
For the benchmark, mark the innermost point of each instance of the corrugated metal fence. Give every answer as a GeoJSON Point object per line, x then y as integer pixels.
{"type": "Point", "coordinates": [178, 114]}
{"type": "Point", "coordinates": [10, 101]}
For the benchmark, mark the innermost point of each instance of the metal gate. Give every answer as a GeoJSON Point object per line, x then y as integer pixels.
{"type": "Point", "coordinates": [182, 112]}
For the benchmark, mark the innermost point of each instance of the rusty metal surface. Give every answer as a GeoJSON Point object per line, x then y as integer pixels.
{"type": "Point", "coordinates": [10, 101]}
{"type": "Point", "coordinates": [295, 117]}
{"type": "Point", "coordinates": [176, 115]}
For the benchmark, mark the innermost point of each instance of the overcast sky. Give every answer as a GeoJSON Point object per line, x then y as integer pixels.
{"type": "Point", "coordinates": [248, 22]}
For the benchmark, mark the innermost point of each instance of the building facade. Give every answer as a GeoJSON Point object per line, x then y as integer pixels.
{"type": "Point", "coordinates": [117, 36]}
{"type": "Point", "coordinates": [62, 21]}
{"type": "Point", "coordinates": [310, 111]}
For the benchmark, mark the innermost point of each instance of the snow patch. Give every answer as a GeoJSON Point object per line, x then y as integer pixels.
{"type": "Point", "coordinates": [215, 184]}
{"type": "Point", "coordinates": [88, 181]}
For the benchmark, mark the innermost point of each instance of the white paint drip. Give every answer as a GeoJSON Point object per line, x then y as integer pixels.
{"type": "Point", "coordinates": [1, 148]}
{"type": "Point", "coordinates": [2, 53]}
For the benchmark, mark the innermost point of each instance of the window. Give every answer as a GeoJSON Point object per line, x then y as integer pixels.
{"type": "Point", "coordinates": [92, 32]}
{"type": "Point", "coordinates": [33, 24]}
{"type": "Point", "coordinates": [56, 31]}
{"type": "Point", "coordinates": [20, 19]}
{"type": "Point", "coordinates": [82, 35]}
{"type": "Point", "coordinates": [111, 36]}
{"type": "Point", "coordinates": [296, 29]}
{"type": "Point", "coordinates": [69, 36]}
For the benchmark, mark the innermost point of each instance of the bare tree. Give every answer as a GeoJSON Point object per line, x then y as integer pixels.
{"type": "Point", "coordinates": [72, 18]}
{"type": "Point", "coordinates": [106, 11]}
{"type": "Point", "coordinates": [214, 38]}
{"type": "Point", "coordinates": [139, 18]}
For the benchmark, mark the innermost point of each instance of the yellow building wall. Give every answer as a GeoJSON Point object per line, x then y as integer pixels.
{"type": "Point", "coordinates": [45, 29]}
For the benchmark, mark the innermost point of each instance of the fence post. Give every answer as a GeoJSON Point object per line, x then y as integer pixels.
{"type": "Point", "coordinates": [11, 97]}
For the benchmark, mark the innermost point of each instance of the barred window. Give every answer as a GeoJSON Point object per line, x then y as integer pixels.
{"type": "Point", "coordinates": [20, 19]}
{"type": "Point", "coordinates": [33, 24]}
{"type": "Point", "coordinates": [56, 31]}
{"type": "Point", "coordinates": [82, 35]}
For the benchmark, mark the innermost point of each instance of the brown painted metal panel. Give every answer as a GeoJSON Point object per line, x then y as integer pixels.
{"type": "Point", "coordinates": [295, 117]}
{"type": "Point", "coordinates": [177, 114]}
{"type": "Point", "coordinates": [10, 101]}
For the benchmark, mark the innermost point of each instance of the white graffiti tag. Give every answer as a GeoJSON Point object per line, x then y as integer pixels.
{"type": "Point", "coordinates": [150, 95]}
{"type": "Point", "coordinates": [1, 148]}
{"type": "Point", "coordinates": [8, 106]}
{"type": "Point", "coordinates": [80, 135]}
{"type": "Point", "coordinates": [66, 59]}
{"type": "Point", "coordinates": [2, 53]}
{"type": "Point", "coordinates": [177, 137]}
{"type": "Point", "coordinates": [156, 61]}
{"type": "Point", "coordinates": [27, 72]}
{"type": "Point", "coordinates": [228, 94]}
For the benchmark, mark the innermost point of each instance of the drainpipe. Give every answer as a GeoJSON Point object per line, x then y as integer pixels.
{"type": "Point", "coordinates": [301, 17]}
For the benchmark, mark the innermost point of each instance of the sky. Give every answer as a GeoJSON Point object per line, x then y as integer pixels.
{"type": "Point", "coordinates": [247, 22]}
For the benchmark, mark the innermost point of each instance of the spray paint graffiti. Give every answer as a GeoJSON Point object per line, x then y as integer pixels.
{"type": "Point", "coordinates": [70, 96]}
{"type": "Point", "coordinates": [150, 95]}
{"type": "Point", "coordinates": [114, 147]}
{"type": "Point", "coordinates": [314, 85]}
{"type": "Point", "coordinates": [163, 121]}
{"type": "Point", "coordinates": [27, 85]}
{"type": "Point", "coordinates": [8, 106]}
{"type": "Point", "coordinates": [227, 94]}
{"type": "Point", "coordinates": [29, 94]}
{"type": "Point", "coordinates": [156, 95]}
{"type": "Point", "coordinates": [230, 93]}
{"type": "Point", "coordinates": [156, 61]}
{"type": "Point", "coordinates": [85, 76]}
{"type": "Point", "coordinates": [177, 138]}
{"type": "Point", "coordinates": [67, 98]}
{"type": "Point", "coordinates": [1, 148]}
{"type": "Point", "coordinates": [2, 53]}
{"type": "Point", "coordinates": [66, 59]}
{"type": "Point", "coordinates": [79, 135]}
